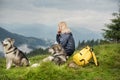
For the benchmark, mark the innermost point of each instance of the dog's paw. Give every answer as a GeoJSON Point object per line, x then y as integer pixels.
{"type": "Point", "coordinates": [7, 68]}
{"type": "Point", "coordinates": [35, 65]}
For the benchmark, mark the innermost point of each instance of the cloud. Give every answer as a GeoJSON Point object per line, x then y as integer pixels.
{"type": "Point", "coordinates": [60, 4]}
{"type": "Point", "coordinates": [41, 16]}
{"type": "Point", "coordinates": [1, 48]}
{"type": "Point", "coordinates": [77, 4]}
{"type": "Point", "coordinates": [89, 13]}
{"type": "Point", "coordinates": [25, 48]}
{"type": "Point", "coordinates": [1, 51]}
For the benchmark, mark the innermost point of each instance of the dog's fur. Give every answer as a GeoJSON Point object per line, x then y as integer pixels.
{"type": "Point", "coordinates": [58, 55]}
{"type": "Point", "coordinates": [72, 65]}
{"type": "Point", "coordinates": [13, 55]}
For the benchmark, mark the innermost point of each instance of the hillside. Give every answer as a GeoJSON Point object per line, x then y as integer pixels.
{"type": "Point", "coordinates": [32, 42]}
{"type": "Point", "coordinates": [108, 69]}
{"type": "Point", "coordinates": [49, 32]}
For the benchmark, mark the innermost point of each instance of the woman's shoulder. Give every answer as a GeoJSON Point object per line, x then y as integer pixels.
{"type": "Point", "coordinates": [66, 34]}
{"type": "Point", "coordinates": [70, 34]}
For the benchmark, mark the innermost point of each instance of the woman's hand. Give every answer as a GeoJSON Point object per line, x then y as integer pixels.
{"type": "Point", "coordinates": [59, 32]}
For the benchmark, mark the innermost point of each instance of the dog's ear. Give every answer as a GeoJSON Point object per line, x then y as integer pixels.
{"type": "Point", "coordinates": [59, 47]}
{"type": "Point", "coordinates": [12, 41]}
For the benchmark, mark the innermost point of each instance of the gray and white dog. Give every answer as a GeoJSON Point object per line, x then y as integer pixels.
{"type": "Point", "coordinates": [58, 54]}
{"type": "Point", "coordinates": [13, 55]}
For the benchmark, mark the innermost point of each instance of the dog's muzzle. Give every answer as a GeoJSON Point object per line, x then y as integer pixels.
{"type": "Point", "coordinates": [4, 44]}
{"type": "Point", "coordinates": [51, 51]}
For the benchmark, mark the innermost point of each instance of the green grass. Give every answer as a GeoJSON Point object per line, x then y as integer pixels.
{"type": "Point", "coordinates": [108, 69]}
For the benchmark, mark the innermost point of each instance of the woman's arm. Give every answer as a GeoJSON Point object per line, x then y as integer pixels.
{"type": "Point", "coordinates": [64, 39]}
{"type": "Point", "coordinates": [58, 38]}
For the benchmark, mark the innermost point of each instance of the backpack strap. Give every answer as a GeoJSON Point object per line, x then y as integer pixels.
{"type": "Point", "coordinates": [94, 57]}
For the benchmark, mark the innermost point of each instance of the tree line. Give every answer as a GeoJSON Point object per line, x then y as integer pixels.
{"type": "Point", "coordinates": [39, 51]}
{"type": "Point", "coordinates": [84, 43]}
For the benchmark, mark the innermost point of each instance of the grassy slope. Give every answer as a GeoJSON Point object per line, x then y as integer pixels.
{"type": "Point", "coordinates": [109, 68]}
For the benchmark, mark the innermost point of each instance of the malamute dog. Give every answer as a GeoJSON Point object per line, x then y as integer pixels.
{"type": "Point", "coordinates": [13, 55]}
{"type": "Point", "coordinates": [58, 54]}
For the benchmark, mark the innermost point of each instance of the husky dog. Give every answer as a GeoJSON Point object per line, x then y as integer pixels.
{"type": "Point", "coordinates": [58, 55]}
{"type": "Point", "coordinates": [13, 55]}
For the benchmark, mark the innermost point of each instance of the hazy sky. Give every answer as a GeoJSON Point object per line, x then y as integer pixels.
{"type": "Point", "coordinates": [90, 14]}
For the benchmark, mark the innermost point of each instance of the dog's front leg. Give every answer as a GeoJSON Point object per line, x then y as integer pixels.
{"type": "Point", "coordinates": [8, 63]}
{"type": "Point", "coordinates": [49, 58]}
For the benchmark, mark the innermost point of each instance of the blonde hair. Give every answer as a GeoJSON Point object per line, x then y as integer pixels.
{"type": "Point", "coordinates": [63, 27]}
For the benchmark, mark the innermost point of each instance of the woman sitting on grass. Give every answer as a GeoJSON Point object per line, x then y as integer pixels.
{"type": "Point", "coordinates": [65, 38]}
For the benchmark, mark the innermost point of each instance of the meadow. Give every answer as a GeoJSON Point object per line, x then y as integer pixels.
{"type": "Point", "coordinates": [108, 56]}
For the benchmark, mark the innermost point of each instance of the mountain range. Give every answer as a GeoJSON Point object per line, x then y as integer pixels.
{"type": "Point", "coordinates": [25, 43]}
{"type": "Point", "coordinates": [49, 32]}
{"type": "Point", "coordinates": [30, 43]}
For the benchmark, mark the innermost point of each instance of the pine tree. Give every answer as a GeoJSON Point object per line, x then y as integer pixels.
{"type": "Point", "coordinates": [113, 31]}
{"type": "Point", "coordinates": [79, 45]}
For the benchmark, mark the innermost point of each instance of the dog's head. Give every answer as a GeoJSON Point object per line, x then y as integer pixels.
{"type": "Point", "coordinates": [56, 48]}
{"type": "Point", "coordinates": [8, 42]}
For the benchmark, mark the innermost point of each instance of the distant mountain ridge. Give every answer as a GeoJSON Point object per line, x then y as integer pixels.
{"type": "Point", "coordinates": [49, 32]}
{"type": "Point", "coordinates": [29, 43]}
{"type": "Point", "coordinates": [32, 42]}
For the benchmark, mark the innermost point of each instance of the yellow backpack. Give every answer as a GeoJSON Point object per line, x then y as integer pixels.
{"type": "Point", "coordinates": [83, 56]}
